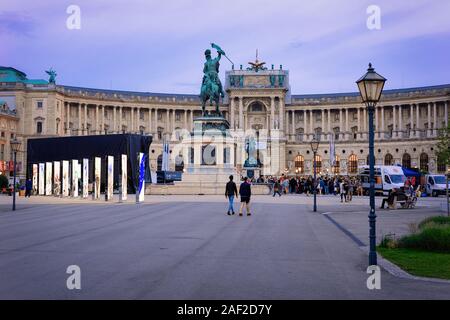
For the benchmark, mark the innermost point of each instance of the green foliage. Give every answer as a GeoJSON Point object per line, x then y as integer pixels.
{"type": "Point", "coordinates": [433, 221]}
{"type": "Point", "coordinates": [3, 181]}
{"type": "Point", "coordinates": [419, 263]}
{"type": "Point", "coordinates": [431, 238]}
{"type": "Point", "coordinates": [443, 146]}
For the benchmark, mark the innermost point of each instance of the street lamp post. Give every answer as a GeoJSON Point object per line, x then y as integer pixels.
{"type": "Point", "coordinates": [370, 87]}
{"type": "Point", "coordinates": [314, 148]}
{"type": "Point", "coordinates": [15, 146]}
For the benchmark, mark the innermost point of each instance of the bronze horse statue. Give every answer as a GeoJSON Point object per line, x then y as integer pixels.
{"type": "Point", "coordinates": [210, 91]}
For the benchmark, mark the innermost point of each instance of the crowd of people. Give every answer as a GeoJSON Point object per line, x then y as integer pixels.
{"type": "Point", "coordinates": [345, 187]}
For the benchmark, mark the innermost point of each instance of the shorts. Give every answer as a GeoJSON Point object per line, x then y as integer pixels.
{"type": "Point", "coordinates": [245, 199]}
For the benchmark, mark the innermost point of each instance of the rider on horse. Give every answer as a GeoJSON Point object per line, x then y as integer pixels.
{"type": "Point", "coordinates": [211, 70]}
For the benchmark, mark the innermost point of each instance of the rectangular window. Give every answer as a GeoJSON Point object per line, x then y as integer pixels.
{"type": "Point", "coordinates": [141, 114]}
{"type": "Point", "coordinates": [177, 116]}
{"type": "Point", "coordinates": [40, 104]}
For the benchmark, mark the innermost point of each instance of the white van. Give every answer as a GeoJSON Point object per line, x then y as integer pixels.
{"type": "Point", "coordinates": [386, 178]}
{"type": "Point", "coordinates": [435, 184]}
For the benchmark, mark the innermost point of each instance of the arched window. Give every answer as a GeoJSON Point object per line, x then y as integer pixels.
{"type": "Point", "coordinates": [336, 168]}
{"type": "Point", "coordinates": [299, 164]}
{"type": "Point", "coordinates": [424, 162]}
{"type": "Point", "coordinates": [353, 164]}
{"type": "Point", "coordinates": [318, 164]}
{"type": "Point", "coordinates": [389, 160]}
{"type": "Point", "coordinates": [406, 161]}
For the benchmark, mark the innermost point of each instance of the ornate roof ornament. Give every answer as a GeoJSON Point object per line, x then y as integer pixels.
{"type": "Point", "coordinates": [257, 65]}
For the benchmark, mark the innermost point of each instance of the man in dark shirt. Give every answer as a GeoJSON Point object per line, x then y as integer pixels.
{"type": "Point", "coordinates": [245, 192]}
{"type": "Point", "coordinates": [230, 192]}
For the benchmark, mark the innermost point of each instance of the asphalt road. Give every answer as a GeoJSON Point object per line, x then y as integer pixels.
{"type": "Point", "coordinates": [190, 250]}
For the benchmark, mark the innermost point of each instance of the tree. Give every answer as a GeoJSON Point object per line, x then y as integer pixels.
{"type": "Point", "coordinates": [443, 146]}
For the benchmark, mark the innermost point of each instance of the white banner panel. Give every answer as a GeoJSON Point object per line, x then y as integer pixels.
{"type": "Point", "coordinates": [75, 178]}
{"type": "Point", "coordinates": [141, 178]}
{"type": "Point", "coordinates": [110, 179]}
{"type": "Point", "coordinates": [35, 179]}
{"type": "Point", "coordinates": [56, 178]}
{"type": "Point", "coordinates": [48, 178]}
{"type": "Point", "coordinates": [85, 178]}
{"type": "Point", "coordinates": [123, 178]}
{"type": "Point", "coordinates": [41, 179]}
{"type": "Point", "coordinates": [65, 178]}
{"type": "Point", "coordinates": [97, 176]}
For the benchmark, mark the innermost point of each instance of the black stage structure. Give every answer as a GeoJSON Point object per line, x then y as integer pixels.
{"type": "Point", "coordinates": [40, 150]}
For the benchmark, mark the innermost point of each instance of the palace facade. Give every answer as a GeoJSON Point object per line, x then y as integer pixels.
{"type": "Point", "coordinates": [407, 121]}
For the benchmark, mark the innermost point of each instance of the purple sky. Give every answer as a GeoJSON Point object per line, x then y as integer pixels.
{"type": "Point", "coordinates": [158, 46]}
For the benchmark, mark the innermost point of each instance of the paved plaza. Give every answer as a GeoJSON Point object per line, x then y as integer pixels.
{"type": "Point", "coordinates": [186, 247]}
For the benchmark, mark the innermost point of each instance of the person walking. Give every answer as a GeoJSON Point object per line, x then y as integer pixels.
{"type": "Point", "coordinates": [276, 188]}
{"type": "Point", "coordinates": [245, 192]}
{"type": "Point", "coordinates": [230, 192]}
{"type": "Point", "coordinates": [28, 188]}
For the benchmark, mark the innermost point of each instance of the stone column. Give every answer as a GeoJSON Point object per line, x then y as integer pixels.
{"type": "Point", "coordinates": [365, 127]}
{"type": "Point", "coordinates": [411, 119]}
{"type": "Point", "coordinates": [382, 123]}
{"type": "Point", "coordinates": [293, 124]}
{"type": "Point", "coordinates": [305, 125]}
{"type": "Point", "coordinates": [96, 120]}
{"type": "Point", "coordinates": [418, 120]}
{"type": "Point", "coordinates": [185, 119]}
{"type": "Point", "coordinates": [394, 121]}
{"type": "Point", "coordinates": [241, 113]}
{"type": "Point", "coordinates": [446, 114]}
{"type": "Point", "coordinates": [114, 126]}
{"type": "Point", "coordinates": [68, 119]}
{"type": "Point", "coordinates": [329, 123]}
{"type": "Point", "coordinates": [359, 119]}
{"type": "Point", "coordinates": [232, 112]}
{"type": "Point", "coordinates": [346, 124]}
{"type": "Point", "coordinates": [168, 121]}
{"type": "Point", "coordinates": [341, 124]}
{"type": "Point", "coordinates": [120, 119]}
{"type": "Point", "coordinates": [103, 119]}
{"type": "Point", "coordinates": [323, 125]}
{"type": "Point", "coordinates": [150, 124]}
{"type": "Point", "coordinates": [281, 109]}
{"type": "Point", "coordinates": [79, 120]}
{"type": "Point", "coordinates": [85, 118]}
{"type": "Point", "coordinates": [400, 121]}
{"type": "Point", "coordinates": [435, 124]}
{"type": "Point", "coordinates": [311, 123]}
{"type": "Point", "coordinates": [272, 113]}
{"type": "Point", "coordinates": [156, 124]}
{"type": "Point", "coordinates": [173, 120]}
{"type": "Point", "coordinates": [429, 119]}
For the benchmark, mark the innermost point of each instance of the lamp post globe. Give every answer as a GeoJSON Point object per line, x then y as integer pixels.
{"type": "Point", "coordinates": [15, 147]}
{"type": "Point", "coordinates": [370, 87]}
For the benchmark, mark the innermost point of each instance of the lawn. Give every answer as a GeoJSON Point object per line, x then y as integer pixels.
{"type": "Point", "coordinates": [419, 262]}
